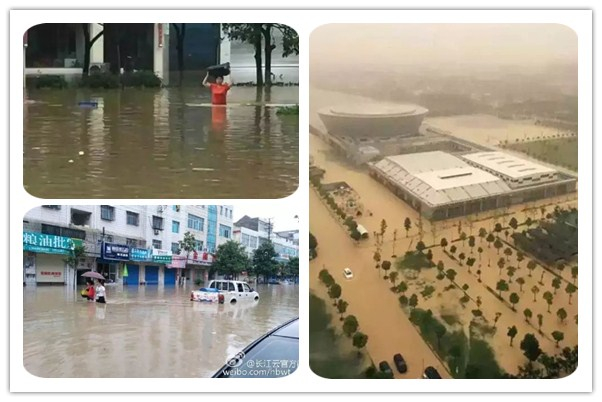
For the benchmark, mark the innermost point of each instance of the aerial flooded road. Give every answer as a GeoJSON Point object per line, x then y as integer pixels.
{"type": "Point", "coordinates": [143, 332]}
{"type": "Point", "coordinates": [159, 144]}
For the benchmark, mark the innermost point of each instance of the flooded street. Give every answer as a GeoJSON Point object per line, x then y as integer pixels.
{"type": "Point", "coordinates": [143, 332]}
{"type": "Point", "coordinates": [159, 144]}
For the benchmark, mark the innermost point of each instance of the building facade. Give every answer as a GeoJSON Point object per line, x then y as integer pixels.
{"type": "Point", "coordinates": [59, 49]}
{"type": "Point", "coordinates": [253, 232]}
{"type": "Point", "coordinates": [129, 245]}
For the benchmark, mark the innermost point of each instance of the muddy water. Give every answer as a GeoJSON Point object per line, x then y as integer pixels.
{"type": "Point", "coordinates": [157, 144]}
{"type": "Point", "coordinates": [145, 332]}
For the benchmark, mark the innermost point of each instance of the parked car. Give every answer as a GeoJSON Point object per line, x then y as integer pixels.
{"type": "Point", "coordinates": [400, 363]}
{"type": "Point", "coordinates": [431, 373]}
{"type": "Point", "coordinates": [280, 344]}
{"type": "Point", "coordinates": [385, 368]}
{"type": "Point", "coordinates": [348, 274]}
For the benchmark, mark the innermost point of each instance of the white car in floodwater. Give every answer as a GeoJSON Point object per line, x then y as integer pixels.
{"type": "Point", "coordinates": [225, 291]}
{"type": "Point", "coordinates": [348, 274]}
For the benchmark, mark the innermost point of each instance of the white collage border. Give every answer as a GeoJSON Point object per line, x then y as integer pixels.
{"type": "Point", "coordinates": [304, 21]}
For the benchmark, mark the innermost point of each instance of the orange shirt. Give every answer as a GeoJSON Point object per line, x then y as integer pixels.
{"type": "Point", "coordinates": [218, 93]}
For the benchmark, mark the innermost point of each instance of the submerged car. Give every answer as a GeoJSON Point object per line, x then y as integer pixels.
{"type": "Point", "coordinates": [385, 368]}
{"type": "Point", "coordinates": [277, 351]}
{"type": "Point", "coordinates": [348, 274]}
{"type": "Point", "coordinates": [431, 373]}
{"type": "Point", "coordinates": [400, 363]}
{"type": "Point", "coordinates": [225, 291]}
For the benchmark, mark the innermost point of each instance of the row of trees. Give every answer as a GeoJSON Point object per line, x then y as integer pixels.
{"type": "Point", "coordinates": [350, 323]}
{"type": "Point", "coordinates": [260, 35]}
{"type": "Point", "coordinates": [231, 259]}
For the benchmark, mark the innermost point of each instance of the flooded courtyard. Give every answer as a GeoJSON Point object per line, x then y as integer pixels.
{"type": "Point", "coordinates": [142, 143]}
{"type": "Point", "coordinates": [143, 331]}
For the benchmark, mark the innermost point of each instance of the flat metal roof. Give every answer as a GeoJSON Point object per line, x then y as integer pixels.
{"type": "Point", "coordinates": [508, 165]}
{"type": "Point", "coordinates": [439, 178]}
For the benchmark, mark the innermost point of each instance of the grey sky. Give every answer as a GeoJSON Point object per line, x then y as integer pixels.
{"type": "Point", "coordinates": [411, 44]}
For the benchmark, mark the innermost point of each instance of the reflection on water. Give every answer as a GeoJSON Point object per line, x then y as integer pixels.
{"type": "Point", "coordinates": [143, 332]}
{"type": "Point", "coordinates": [159, 144]}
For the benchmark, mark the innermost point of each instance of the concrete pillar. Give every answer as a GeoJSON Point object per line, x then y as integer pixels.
{"type": "Point", "coordinates": [97, 50]}
{"type": "Point", "coordinates": [79, 44]}
{"type": "Point", "coordinates": [224, 49]}
{"type": "Point", "coordinates": [158, 45]}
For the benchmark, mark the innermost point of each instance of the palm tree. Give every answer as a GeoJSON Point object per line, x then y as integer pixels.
{"type": "Point", "coordinates": [342, 307]}
{"type": "Point", "coordinates": [495, 320]}
{"type": "Point", "coordinates": [574, 273]}
{"type": "Point", "coordinates": [402, 288]}
{"type": "Point", "coordinates": [519, 257]}
{"type": "Point", "coordinates": [521, 282]}
{"type": "Point", "coordinates": [501, 262]}
{"type": "Point", "coordinates": [501, 286]}
{"type": "Point", "coordinates": [531, 265]}
{"type": "Point", "coordinates": [482, 233]}
{"type": "Point", "coordinates": [528, 314]}
{"type": "Point", "coordinates": [549, 298]}
{"type": "Point", "coordinates": [556, 282]}
{"type": "Point", "coordinates": [479, 274]}
{"type": "Point", "coordinates": [463, 237]}
{"type": "Point", "coordinates": [393, 277]}
{"type": "Point", "coordinates": [471, 243]}
{"type": "Point", "coordinates": [490, 239]}
{"type": "Point", "coordinates": [535, 291]}
{"type": "Point", "coordinates": [540, 321]}
{"type": "Point", "coordinates": [512, 332]}
{"type": "Point", "coordinates": [443, 243]}
{"type": "Point", "coordinates": [407, 224]}
{"type": "Point", "coordinates": [561, 314]}
{"type": "Point", "coordinates": [510, 272]}
{"type": "Point", "coordinates": [570, 289]}
{"type": "Point", "coordinates": [508, 253]}
{"type": "Point", "coordinates": [462, 256]}
{"type": "Point", "coordinates": [498, 245]}
{"type": "Point", "coordinates": [558, 337]}
{"type": "Point", "coordinates": [451, 274]}
{"type": "Point", "coordinates": [514, 298]}
{"type": "Point", "coordinates": [480, 251]}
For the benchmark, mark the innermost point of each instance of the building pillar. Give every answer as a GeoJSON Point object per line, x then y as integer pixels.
{"type": "Point", "coordinates": [97, 49]}
{"type": "Point", "coordinates": [158, 45]}
{"type": "Point", "coordinates": [224, 48]}
{"type": "Point", "coordinates": [79, 44]}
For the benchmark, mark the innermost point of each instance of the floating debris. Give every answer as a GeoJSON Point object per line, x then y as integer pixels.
{"type": "Point", "coordinates": [200, 149]}
{"type": "Point", "coordinates": [203, 169]}
{"type": "Point", "coordinates": [81, 153]}
{"type": "Point", "coordinates": [70, 160]}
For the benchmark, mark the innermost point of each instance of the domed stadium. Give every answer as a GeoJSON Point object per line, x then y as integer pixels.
{"type": "Point", "coordinates": [373, 120]}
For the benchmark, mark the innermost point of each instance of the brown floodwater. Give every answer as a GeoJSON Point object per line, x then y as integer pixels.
{"type": "Point", "coordinates": [159, 144]}
{"type": "Point", "coordinates": [143, 332]}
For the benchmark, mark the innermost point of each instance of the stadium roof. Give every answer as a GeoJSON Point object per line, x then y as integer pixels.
{"type": "Point", "coordinates": [508, 165]}
{"type": "Point", "coordinates": [438, 178]}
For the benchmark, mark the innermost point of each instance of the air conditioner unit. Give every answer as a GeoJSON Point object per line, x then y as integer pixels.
{"type": "Point", "coordinates": [159, 209]}
{"type": "Point", "coordinates": [177, 208]}
{"type": "Point", "coordinates": [98, 68]}
{"type": "Point", "coordinates": [156, 231]}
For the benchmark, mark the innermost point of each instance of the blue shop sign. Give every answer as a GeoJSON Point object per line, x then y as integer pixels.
{"type": "Point", "coordinates": [111, 251]}
{"type": "Point", "coordinates": [139, 254]}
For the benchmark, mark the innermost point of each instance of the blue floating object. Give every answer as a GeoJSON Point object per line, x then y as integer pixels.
{"type": "Point", "coordinates": [90, 104]}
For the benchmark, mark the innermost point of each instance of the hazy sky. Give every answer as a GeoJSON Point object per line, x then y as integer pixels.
{"type": "Point", "coordinates": [526, 44]}
{"type": "Point", "coordinates": [282, 212]}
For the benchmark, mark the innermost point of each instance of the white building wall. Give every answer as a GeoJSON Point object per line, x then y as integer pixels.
{"type": "Point", "coordinates": [119, 226]}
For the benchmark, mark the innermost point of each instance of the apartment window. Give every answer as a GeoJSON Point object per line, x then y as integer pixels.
{"type": "Point", "coordinates": [198, 245]}
{"type": "Point", "coordinates": [132, 218]}
{"type": "Point", "coordinates": [245, 239]}
{"type": "Point", "coordinates": [175, 227]}
{"type": "Point", "coordinates": [221, 210]}
{"type": "Point", "coordinates": [80, 218]}
{"type": "Point", "coordinates": [107, 213]}
{"type": "Point", "coordinates": [175, 248]}
{"type": "Point", "coordinates": [230, 214]}
{"type": "Point", "coordinates": [131, 242]}
{"type": "Point", "coordinates": [56, 207]}
{"type": "Point", "coordinates": [157, 244]}
{"type": "Point", "coordinates": [225, 231]}
{"type": "Point", "coordinates": [176, 208]}
{"type": "Point", "coordinates": [65, 232]}
{"type": "Point", "coordinates": [195, 222]}
{"type": "Point", "coordinates": [157, 222]}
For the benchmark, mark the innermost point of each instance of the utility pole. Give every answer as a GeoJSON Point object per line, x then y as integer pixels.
{"type": "Point", "coordinates": [270, 229]}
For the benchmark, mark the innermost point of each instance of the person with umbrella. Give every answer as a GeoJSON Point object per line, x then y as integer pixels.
{"type": "Point", "coordinates": [89, 292]}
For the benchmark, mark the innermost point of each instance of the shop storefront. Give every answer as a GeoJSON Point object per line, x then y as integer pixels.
{"type": "Point", "coordinates": [198, 266]}
{"type": "Point", "coordinates": [174, 270]}
{"type": "Point", "coordinates": [112, 260]}
{"type": "Point", "coordinates": [164, 276]}
{"type": "Point", "coordinates": [134, 268]}
{"type": "Point", "coordinates": [44, 259]}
